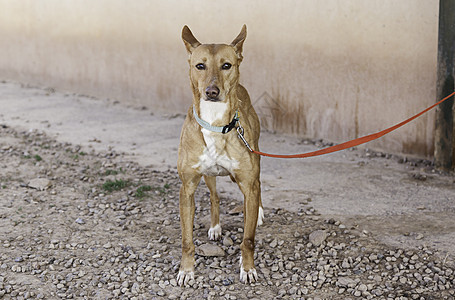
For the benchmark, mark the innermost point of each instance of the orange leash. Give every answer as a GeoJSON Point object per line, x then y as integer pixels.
{"type": "Point", "coordinates": [345, 145]}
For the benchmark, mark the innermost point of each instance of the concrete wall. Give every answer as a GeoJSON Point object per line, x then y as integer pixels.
{"type": "Point", "coordinates": [332, 69]}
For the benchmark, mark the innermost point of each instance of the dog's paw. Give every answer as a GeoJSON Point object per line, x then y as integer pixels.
{"type": "Point", "coordinates": [249, 276]}
{"type": "Point", "coordinates": [183, 277]}
{"type": "Point", "coordinates": [260, 216]}
{"type": "Point", "coordinates": [215, 232]}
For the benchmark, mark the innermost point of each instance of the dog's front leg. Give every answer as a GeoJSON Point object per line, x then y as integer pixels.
{"type": "Point", "coordinates": [187, 207]}
{"type": "Point", "coordinates": [251, 188]}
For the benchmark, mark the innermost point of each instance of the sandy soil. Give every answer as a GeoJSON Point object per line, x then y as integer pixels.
{"type": "Point", "coordinates": [383, 202]}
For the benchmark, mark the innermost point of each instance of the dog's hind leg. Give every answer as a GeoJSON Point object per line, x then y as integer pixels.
{"type": "Point", "coordinates": [261, 213]}
{"type": "Point", "coordinates": [215, 227]}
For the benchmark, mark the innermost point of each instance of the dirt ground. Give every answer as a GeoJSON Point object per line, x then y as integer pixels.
{"type": "Point", "coordinates": [102, 220]}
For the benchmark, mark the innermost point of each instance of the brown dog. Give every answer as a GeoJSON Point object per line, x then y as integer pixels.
{"type": "Point", "coordinates": [209, 148]}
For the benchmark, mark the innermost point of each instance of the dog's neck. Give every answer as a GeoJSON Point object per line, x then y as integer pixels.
{"type": "Point", "coordinates": [216, 113]}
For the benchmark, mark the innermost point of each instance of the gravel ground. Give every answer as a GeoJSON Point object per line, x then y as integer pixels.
{"type": "Point", "coordinates": [76, 224]}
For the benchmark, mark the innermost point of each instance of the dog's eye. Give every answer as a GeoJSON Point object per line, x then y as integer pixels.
{"type": "Point", "coordinates": [226, 66]}
{"type": "Point", "coordinates": [200, 66]}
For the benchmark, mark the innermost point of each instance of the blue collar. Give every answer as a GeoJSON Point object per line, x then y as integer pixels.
{"type": "Point", "coordinates": [221, 129]}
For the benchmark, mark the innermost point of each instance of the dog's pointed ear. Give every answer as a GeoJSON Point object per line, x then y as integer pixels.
{"type": "Point", "coordinates": [189, 40]}
{"type": "Point", "coordinates": [237, 43]}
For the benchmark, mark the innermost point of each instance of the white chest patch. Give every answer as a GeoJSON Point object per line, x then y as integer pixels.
{"type": "Point", "coordinates": [214, 160]}
{"type": "Point", "coordinates": [212, 111]}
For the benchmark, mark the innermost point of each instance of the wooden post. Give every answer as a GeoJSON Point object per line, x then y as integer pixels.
{"type": "Point", "coordinates": [444, 152]}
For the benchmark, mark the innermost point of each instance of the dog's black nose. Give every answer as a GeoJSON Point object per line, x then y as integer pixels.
{"type": "Point", "coordinates": [212, 92]}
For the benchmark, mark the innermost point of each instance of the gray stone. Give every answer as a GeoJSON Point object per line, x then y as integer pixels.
{"type": "Point", "coordinates": [274, 243]}
{"type": "Point", "coordinates": [345, 264]}
{"type": "Point", "coordinates": [209, 250]}
{"type": "Point", "coordinates": [80, 221]}
{"type": "Point", "coordinates": [227, 241]}
{"type": "Point", "coordinates": [317, 237]}
{"type": "Point", "coordinates": [346, 282]}
{"type": "Point", "coordinates": [363, 288]}
{"type": "Point", "coordinates": [40, 184]}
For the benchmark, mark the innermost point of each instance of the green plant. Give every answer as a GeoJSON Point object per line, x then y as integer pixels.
{"type": "Point", "coordinates": [141, 191]}
{"type": "Point", "coordinates": [110, 172]}
{"type": "Point", "coordinates": [163, 190]}
{"type": "Point", "coordinates": [116, 185]}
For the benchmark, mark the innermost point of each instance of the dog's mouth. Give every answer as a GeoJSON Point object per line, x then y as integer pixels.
{"type": "Point", "coordinates": [212, 99]}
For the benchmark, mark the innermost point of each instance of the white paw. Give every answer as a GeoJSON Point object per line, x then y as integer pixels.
{"type": "Point", "coordinates": [260, 216]}
{"type": "Point", "coordinates": [247, 277]}
{"type": "Point", "coordinates": [215, 232]}
{"type": "Point", "coordinates": [184, 277]}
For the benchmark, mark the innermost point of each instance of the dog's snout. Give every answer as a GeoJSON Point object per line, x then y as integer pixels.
{"type": "Point", "coordinates": [212, 92]}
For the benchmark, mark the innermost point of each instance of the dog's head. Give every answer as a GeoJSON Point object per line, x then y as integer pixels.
{"type": "Point", "coordinates": [214, 68]}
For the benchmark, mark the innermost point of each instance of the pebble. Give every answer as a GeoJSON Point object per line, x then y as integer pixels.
{"type": "Point", "coordinates": [274, 243]}
{"type": "Point", "coordinates": [80, 221]}
{"type": "Point", "coordinates": [362, 288]}
{"type": "Point", "coordinates": [345, 264]}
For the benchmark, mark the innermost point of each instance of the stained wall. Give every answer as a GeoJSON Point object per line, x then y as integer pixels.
{"type": "Point", "coordinates": [333, 69]}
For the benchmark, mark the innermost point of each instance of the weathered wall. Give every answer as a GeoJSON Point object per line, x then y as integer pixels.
{"type": "Point", "coordinates": [333, 69]}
